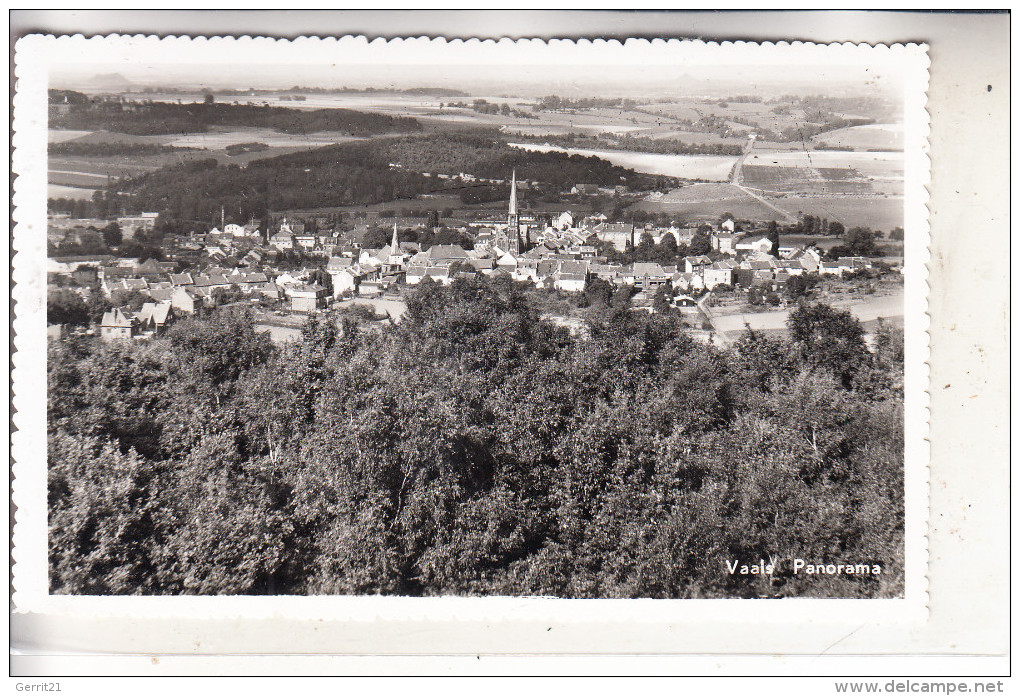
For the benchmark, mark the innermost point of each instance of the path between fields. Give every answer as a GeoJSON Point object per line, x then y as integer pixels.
{"type": "Point", "coordinates": [789, 218]}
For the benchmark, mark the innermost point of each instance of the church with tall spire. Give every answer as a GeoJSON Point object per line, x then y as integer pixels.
{"type": "Point", "coordinates": [509, 240]}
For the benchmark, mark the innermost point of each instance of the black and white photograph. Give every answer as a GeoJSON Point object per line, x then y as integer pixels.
{"type": "Point", "coordinates": [610, 331]}
{"type": "Point", "coordinates": [426, 344]}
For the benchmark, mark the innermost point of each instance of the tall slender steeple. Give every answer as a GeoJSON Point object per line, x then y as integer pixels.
{"type": "Point", "coordinates": [513, 223]}
{"type": "Point", "coordinates": [513, 195]}
{"type": "Point", "coordinates": [395, 245]}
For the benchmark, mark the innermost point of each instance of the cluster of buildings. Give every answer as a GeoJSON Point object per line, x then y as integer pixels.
{"type": "Point", "coordinates": [238, 263]}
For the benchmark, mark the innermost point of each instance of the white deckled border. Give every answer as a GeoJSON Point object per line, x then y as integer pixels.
{"type": "Point", "coordinates": [713, 620]}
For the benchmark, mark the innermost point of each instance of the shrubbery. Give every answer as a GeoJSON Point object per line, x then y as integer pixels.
{"type": "Point", "coordinates": [473, 449]}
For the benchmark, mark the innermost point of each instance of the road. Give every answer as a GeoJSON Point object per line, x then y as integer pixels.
{"type": "Point", "coordinates": [750, 192]}
{"type": "Point", "coordinates": [738, 171]}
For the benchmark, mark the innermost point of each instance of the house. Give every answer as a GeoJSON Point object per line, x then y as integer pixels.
{"type": "Point", "coordinates": [181, 279]}
{"type": "Point", "coordinates": [619, 234]}
{"type": "Point", "coordinates": [307, 298]}
{"type": "Point", "coordinates": [346, 275]}
{"type": "Point", "coordinates": [570, 282]}
{"type": "Point", "coordinates": [439, 274]}
{"type": "Point", "coordinates": [212, 280]}
{"type": "Point", "coordinates": [571, 276]}
{"type": "Point", "coordinates": [153, 269]}
{"type": "Point", "coordinates": [507, 261]}
{"type": "Point", "coordinates": [720, 273]}
{"type": "Point", "coordinates": [69, 264]}
{"type": "Point", "coordinates": [154, 317]}
{"type": "Point", "coordinates": [305, 241]}
{"type": "Point", "coordinates": [830, 268]}
{"type": "Point", "coordinates": [161, 294]}
{"type": "Point", "coordinates": [646, 275]}
{"type": "Point", "coordinates": [486, 266]}
{"type": "Point", "coordinates": [184, 301]}
{"type": "Point", "coordinates": [723, 243]}
{"type": "Point", "coordinates": [750, 244]}
{"type": "Point", "coordinates": [247, 282]}
{"type": "Point", "coordinates": [129, 226]}
{"type": "Point", "coordinates": [585, 189]}
{"type": "Point", "coordinates": [696, 264]}
{"type": "Point", "coordinates": [282, 241]}
{"type": "Point", "coordinates": [125, 285]}
{"type": "Point", "coordinates": [688, 282]}
{"type": "Point", "coordinates": [117, 324]}
{"type": "Point", "coordinates": [114, 273]}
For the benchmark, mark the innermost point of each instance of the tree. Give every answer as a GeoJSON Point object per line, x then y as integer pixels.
{"type": "Point", "coordinates": [660, 303]}
{"type": "Point", "coordinates": [132, 299]}
{"type": "Point", "coordinates": [209, 98]}
{"type": "Point", "coordinates": [97, 305]}
{"type": "Point", "coordinates": [829, 339]}
{"type": "Point", "coordinates": [860, 241]}
{"type": "Point", "coordinates": [896, 234]}
{"type": "Point", "coordinates": [773, 236]}
{"type": "Point", "coordinates": [103, 518]}
{"type": "Point", "coordinates": [599, 292]}
{"type": "Point", "coordinates": [112, 235]}
{"type": "Point", "coordinates": [700, 244]}
{"type": "Point", "coordinates": [66, 307]}
{"type": "Point", "coordinates": [836, 228]}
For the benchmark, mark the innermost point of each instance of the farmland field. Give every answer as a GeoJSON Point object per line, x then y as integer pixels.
{"type": "Point", "coordinates": [877, 136]}
{"type": "Point", "coordinates": [804, 180]}
{"type": "Point", "coordinates": [54, 135]}
{"type": "Point", "coordinates": [884, 163]}
{"type": "Point", "coordinates": [92, 171]}
{"type": "Point", "coordinates": [60, 191]}
{"type": "Point", "coordinates": [708, 167]}
{"type": "Point", "coordinates": [877, 212]}
{"type": "Point", "coordinates": [704, 202]}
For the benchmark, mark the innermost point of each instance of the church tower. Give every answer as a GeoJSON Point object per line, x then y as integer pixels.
{"type": "Point", "coordinates": [394, 245]}
{"type": "Point", "coordinates": [513, 222]}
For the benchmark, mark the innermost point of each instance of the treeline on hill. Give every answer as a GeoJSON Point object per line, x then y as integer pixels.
{"type": "Point", "coordinates": [158, 118]}
{"type": "Point", "coordinates": [474, 449]}
{"type": "Point", "coordinates": [357, 173]}
{"type": "Point", "coordinates": [487, 155]}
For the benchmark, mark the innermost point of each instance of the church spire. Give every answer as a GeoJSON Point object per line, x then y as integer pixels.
{"type": "Point", "coordinates": [513, 195]}
{"type": "Point", "coordinates": [395, 245]}
{"type": "Point", "coordinates": [513, 222]}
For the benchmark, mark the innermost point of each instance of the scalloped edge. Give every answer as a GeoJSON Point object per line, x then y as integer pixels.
{"type": "Point", "coordinates": [28, 296]}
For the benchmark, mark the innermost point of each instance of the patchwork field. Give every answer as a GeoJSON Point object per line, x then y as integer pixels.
{"type": "Point", "coordinates": [804, 180]}
{"type": "Point", "coordinates": [708, 167]}
{"type": "Point", "coordinates": [67, 171]}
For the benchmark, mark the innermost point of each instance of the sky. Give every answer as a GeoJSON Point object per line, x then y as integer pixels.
{"type": "Point", "coordinates": [529, 68]}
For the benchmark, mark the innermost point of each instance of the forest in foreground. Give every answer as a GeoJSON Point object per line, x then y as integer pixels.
{"type": "Point", "coordinates": [473, 449]}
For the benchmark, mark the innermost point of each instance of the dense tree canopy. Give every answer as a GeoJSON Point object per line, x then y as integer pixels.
{"type": "Point", "coordinates": [473, 448]}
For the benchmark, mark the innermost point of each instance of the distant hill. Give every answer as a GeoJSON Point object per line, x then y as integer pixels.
{"type": "Point", "coordinates": [113, 82]}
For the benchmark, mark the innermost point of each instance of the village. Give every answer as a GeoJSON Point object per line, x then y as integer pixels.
{"type": "Point", "coordinates": [291, 271]}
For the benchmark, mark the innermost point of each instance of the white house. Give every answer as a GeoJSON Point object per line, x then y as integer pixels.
{"type": "Point", "coordinates": [762, 244]}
